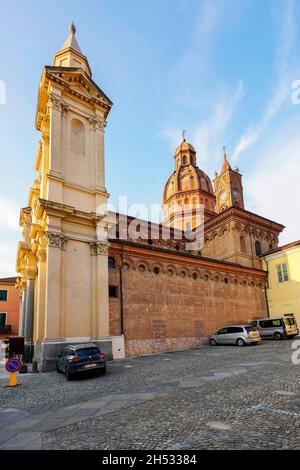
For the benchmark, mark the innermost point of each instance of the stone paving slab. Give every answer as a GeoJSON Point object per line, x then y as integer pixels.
{"type": "Point", "coordinates": [173, 402]}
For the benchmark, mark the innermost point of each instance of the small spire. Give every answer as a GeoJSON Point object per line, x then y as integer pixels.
{"type": "Point", "coordinates": [183, 135]}
{"type": "Point", "coordinates": [73, 28]}
{"type": "Point", "coordinates": [226, 166]}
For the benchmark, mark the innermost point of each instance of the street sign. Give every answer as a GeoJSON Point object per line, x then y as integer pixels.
{"type": "Point", "coordinates": [13, 365]}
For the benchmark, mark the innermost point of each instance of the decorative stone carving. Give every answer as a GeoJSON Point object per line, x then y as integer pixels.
{"type": "Point", "coordinates": [58, 104]}
{"type": "Point", "coordinates": [56, 240]}
{"type": "Point", "coordinates": [31, 273]}
{"type": "Point", "coordinates": [41, 255]}
{"type": "Point", "coordinates": [99, 248]}
{"type": "Point", "coordinates": [97, 123]}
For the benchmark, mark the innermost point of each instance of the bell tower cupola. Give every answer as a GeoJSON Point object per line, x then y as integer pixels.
{"type": "Point", "coordinates": [70, 54]}
{"type": "Point", "coordinates": [228, 187]}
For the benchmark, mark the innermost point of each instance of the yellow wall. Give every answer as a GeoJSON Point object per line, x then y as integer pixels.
{"type": "Point", "coordinates": [284, 297]}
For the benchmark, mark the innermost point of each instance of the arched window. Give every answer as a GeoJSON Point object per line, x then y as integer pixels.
{"type": "Point", "coordinates": [258, 250]}
{"type": "Point", "coordinates": [111, 263]}
{"type": "Point", "coordinates": [184, 159]}
{"type": "Point", "coordinates": [77, 137]}
{"type": "Point", "coordinates": [243, 245]}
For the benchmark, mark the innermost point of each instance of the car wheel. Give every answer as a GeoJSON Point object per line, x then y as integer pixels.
{"type": "Point", "coordinates": [240, 342]}
{"type": "Point", "coordinates": [213, 342]}
{"type": "Point", "coordinates": [277, 336]}
{"type": "Point", "coordinates": [68, 375]}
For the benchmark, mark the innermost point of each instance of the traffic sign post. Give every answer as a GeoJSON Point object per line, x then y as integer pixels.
{"type": "Point", "coordinates": [12, 366]}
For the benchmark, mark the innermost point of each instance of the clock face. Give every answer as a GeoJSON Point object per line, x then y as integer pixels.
{"type": "Point", "coordinates": [235, 194]}
{"type": "Point", "coordinates": [223, 196]}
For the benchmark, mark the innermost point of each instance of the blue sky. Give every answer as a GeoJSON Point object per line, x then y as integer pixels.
{"type": "Point", "coordinates": [221, 69]}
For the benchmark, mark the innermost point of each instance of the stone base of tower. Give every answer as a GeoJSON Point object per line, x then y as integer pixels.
{"type": "Point", "coordinates": [45, 352]}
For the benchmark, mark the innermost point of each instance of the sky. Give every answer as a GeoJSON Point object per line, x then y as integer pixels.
{"type": "Point", "coordinates": [223, 70]}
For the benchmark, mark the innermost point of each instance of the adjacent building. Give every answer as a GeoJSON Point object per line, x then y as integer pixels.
{"type": "Point", "coordinates": [9, 307]}
{"type": "Point", "coordinates": [283, 288]}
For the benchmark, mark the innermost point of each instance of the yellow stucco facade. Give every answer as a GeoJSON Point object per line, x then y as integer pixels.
{"type": "Point", "coordinates": [283, 265]}
{"type": "Point", "coordinates": [62, 258]}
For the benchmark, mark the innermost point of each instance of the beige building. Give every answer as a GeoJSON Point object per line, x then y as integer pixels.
{"type": "Point", "coordinates": [62, 258]}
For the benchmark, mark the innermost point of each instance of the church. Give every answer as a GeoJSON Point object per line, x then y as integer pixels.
{"type": "Point", "coordinates": [80, 281]}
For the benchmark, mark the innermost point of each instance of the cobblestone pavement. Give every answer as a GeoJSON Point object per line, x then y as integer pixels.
{"type": "Point", "coordinates": [207, 398]}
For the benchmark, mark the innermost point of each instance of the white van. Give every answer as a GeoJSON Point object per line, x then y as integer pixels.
{"type": "Point", "coordinates": [277, 328]}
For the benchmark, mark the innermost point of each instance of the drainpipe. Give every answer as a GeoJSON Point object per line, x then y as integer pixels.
{"type": "Point", "coordinates": [121, 292]}
{"type": "Point", "coordinates": [267, 286]}
{"type": "Point", "coordinates": [251, 245]}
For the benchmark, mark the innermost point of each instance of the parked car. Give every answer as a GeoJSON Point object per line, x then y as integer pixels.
{"type": "Point", "coordinates": [277, 328]}
{"type": "Point", "coordinates": [79, 358]}
{"type": "Point", "coordinates": [239, 335]}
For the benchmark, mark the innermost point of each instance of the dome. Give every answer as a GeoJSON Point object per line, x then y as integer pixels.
{"type": "Point", "coordinates": [187, 179]}
{"type": "Point", "coordinates": [184, 146]}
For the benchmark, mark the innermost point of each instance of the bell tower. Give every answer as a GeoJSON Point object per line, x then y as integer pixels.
{"type": "Point", "coordinates": [228, 187]}
{"type": "Point", "coordinates": [63, 258]}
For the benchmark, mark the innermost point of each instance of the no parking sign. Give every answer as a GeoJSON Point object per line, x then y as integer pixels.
{"type": "Point", "coordinates": [13, 365]}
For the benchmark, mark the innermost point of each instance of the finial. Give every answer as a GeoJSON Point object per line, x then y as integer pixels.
{"type": "Point", "coordinates": [72, 28]}
{"type": "Point", "coordinates": [183, 135]}
{"type": "Point", "coordinates": [224, 151]}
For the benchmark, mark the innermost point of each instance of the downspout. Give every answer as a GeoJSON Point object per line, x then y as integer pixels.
{"type": "Point", "coordinates": [251, 245]}
{"type": "Point", "coordinates": [267, 286]}
{"type": "Point", "coordinates": [121, 291]}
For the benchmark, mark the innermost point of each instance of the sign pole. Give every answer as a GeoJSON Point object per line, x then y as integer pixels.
{"type": "Point", "coordinates": [12, 381]}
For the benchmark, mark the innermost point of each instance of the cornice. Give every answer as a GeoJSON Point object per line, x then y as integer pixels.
{"type": "Point", "coordinates": [242, 215]}
{"type": "Point", "coordinates": [168, 256]}
{"type": "Point", "coordinates": [66, 212]}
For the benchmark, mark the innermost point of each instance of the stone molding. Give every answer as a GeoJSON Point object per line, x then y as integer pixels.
{"type": "Point", "coordinates": [99, 248]}
{"type": "Point", "coordinates": [97, 123]}
{"type": "Point", "coordinates": [56, 240]}
{"type": "Point", "coordinates": [41, 255]}
{"type": "Point", "coordinates": [31, 274]}
{"type": "Point", "coordinates": [58, 104]}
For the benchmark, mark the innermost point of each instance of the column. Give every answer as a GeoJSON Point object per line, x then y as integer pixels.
{"type": "Point", "coordinates": [29, 305]}
{"type": "Point", "coordinates": [22, 308]}
{"type": "Point", "coordinates": [56, 106]}
{"type": "Point", "coordinates": [100, 321]}
{"type": "Point", "coordinates": [100, 170]}
{"type": "Point", "coordinates": [56, 243]}
{"type": "Point", "coordinates": [40, 304]}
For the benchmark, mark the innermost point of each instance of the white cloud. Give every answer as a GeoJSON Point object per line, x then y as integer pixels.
{"type": "Point", "coordinates": [282, 86]}
{"type": "Point", "coordinates": [272, 189]}
{"type": "Point", "coordinates": [9, 215]}
{"type": "Point", "coordinates": [209, 136]}
{"type": "Point", "coordinates": [8, 253]}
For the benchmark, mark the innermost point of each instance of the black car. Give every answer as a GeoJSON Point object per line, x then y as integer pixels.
{"type": "Point", "coordinates": [78, 358]}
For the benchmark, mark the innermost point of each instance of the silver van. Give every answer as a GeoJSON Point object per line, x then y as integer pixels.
{"type": "Point", "coordinates": [277, 328]}
{"type": "Point", "coordinates": [239, 335]}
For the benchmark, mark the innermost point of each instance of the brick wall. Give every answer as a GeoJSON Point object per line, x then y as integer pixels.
{"type": "Point", "coordinates": [181, 305]}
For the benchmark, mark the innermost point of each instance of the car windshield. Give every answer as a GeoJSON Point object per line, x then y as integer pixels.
{"type": "Point", "coordinates": [289, 321]}
{"type": "Point", "coordinates": [250, 328]}
{"type": "Point", "coordinates": [87, 352]}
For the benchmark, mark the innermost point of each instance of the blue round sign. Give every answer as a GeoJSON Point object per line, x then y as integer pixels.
{"type": "Point", "coordinates": [13, 365]}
